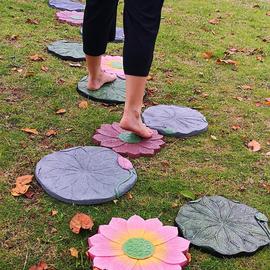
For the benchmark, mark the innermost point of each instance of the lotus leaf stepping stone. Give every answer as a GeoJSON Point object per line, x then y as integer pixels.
{"type": "Point", "coordinates": [85, 175]}
{"type": "Point", "coordinates": [67, 50]}
{"type": "Point", "coordinates": [67, 5]}
{"type": "Point", "coordinates": [70, 17]}
{"type": "Point", "coordinates": [223, 226]}
{"type": "Point", "coordinates": [110, 93]}
{"type": "Point", "coordinates": [175, 121]}
{"type": "Point", "coordinates": [127, 143]}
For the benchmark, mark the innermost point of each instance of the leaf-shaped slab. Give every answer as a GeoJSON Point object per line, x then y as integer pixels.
{"type": "Point", "coordinates": [84, 175]}
{"type": "Point", "coordinates": [111, 93]}
{"type": "Point", "coordinates": [175, 121]}
{"type": "Point", "coordinates": [223, 226]}
{"type": "Point", "coordinates": [67, 50]}
{"type": "Point", "coordinates": [67, 5]}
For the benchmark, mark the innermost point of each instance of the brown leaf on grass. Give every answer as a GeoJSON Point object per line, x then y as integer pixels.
{"type": "Point", "coordinates": [266, 186]}
{"type": "Point", "coordinates": [31, 131]}
{"type": "Point", "coordinates": [254, 146]}
{"type": "Point", "coordinates": [51, 133]}
{"type": "Point", "coordinates": [260, 58]}
{"type": "Point", "coordinates": [32, 21]}
{"type": "Point", "coordinates": [268, 13]}
{"type": "Point", "coordinates": [207, 55]}
{"type": "Point", "coordinates": [54, 213]}
{"type": "Point", "coordinates": [79, 221]}
{"type": "Point", "coordinates": [61, 111]}
{"type": "Point", "coordinates": [246, 87]}
{"type": "Point", "coordinates": [22, 185]}
{"type": "Point", "coordinates": [44, 68]}
{"type": "Point", "coordinates": [236, 127]}
{"type": "Point", "coordinates": [74, 252]}
{"type": "Point", "coordinates": [75, 64]}
{"type": "Point", "coordinates": [129, 196]}
{"type": "Point", "coordinates": [149, 78]}
{"type": "Point", "coordinates": [37, 58]}
{"type": "Point", "coordinates": [29, 194]}
{"type": "Point", "coordinates": [83, 104]}
{"type": "Point", "coordinates": [40, 266]}
{"type": "Point", "coordinates": [226, 61]}
{"type": "Point", "coordinates": [214, 21]}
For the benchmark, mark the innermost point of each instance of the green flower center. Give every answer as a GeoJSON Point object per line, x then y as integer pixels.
{"type": "Point", "coordinates": [138, 248]}
{"type": "Point", "coordinates": [129, 137]}
{"type": "Point", "coordinates": [117, 65]}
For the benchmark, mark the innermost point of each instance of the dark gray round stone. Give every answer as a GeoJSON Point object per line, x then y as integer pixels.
{"type": "Point", "coordinates": [71, 5]}
{"type": "Point", "coordinates": [111, 93]}
{"type": "Point", "coordinates": [223, 226]}
{"type": "Point", "coordinates": [84, 175]}
{"type": "Point", "coordinates": [174, 120]}
{"type": "Point", "coordinates": [67, 50]}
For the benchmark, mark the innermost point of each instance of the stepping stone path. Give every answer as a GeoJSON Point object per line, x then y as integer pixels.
{"type": "Point", "coordinates": [67, 5]}
{"type": "Point", "coordinates": [114, 65]}
{"type": "Point", "coordinates": [71, 17]}
{"type": "Point", "coordinates": [67, 50]}
{"type": "Point", "coordinates": [127, 143]}
{"type": "Point", "coordinates": [110, 93]}
{"type": "Point", "coordinates": [223, 226]}
{"type": "Point", "coordinates": [175, 121]}
{"type": "Point", "coordinates": [85, 175]}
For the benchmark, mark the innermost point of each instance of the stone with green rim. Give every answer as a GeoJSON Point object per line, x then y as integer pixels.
{"type": "Point", "coordinates": [138, 248]}
{"type": "Point", "coordinates": [129, 137]}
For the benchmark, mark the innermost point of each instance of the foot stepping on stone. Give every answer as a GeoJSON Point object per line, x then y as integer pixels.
{"type": "Point", "coordinates": [71, 17]}
{"type": "Point", "coordinates": [127, 143]}
{"type": "Point", "coordinates": [67, 50]}
{"type": "Point", "coordinates": [71, 5]}
{"type": "Point", "coordinates": [174, 120]}
{"type": "Point", "coordinates": [85, 175]}
{"type": "Point", "coordinates": [222, 226]}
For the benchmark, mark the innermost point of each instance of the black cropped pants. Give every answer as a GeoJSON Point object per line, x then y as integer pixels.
{"type": "Point", "coordinates": [141, 25]}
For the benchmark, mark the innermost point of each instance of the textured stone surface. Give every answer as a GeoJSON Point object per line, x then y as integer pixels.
{"type": "Point", "coordinates": [67, 50]}
{"type": "Point", "coordinates": [114, 65]}
{"type": "Point", "coordinates": [223, 226]}
{"type": "Point", "coordinates": [119, 35]}
{"type": "Point", "coordinates": [174, 120]}
{"type": "Point", "coordinates": [84, 175]}
{"type": "Point", "coordinates": [111, 93]}
{"type": "Point", "coordinates": [70, 17]}
{"type": "Point", "coordinates": [127, 143]}
{"type": "Point", "coordinates": [67, 5]}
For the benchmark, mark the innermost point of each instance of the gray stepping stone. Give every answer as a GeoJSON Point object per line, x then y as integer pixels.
{"type": "Point", "coordinates": [175, 121]}
{"type": "Point", "coordinates": [223, 227]}
{"type": "Point", "coordinates": [67, 5]}
{"type": "Point", "coordinates": [110, 93]}
{"type": "Point", "coordinates": [85, 175]}
{"type": "Point", "coordinates": [67, 50]}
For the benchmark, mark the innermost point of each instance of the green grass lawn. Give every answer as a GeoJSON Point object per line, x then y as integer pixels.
{"type": "Point", "coordinates": [29, 98]}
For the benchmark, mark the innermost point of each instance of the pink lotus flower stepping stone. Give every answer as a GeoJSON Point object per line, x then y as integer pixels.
{"type": "Point", "coordinates": [138, 244]}
{"type": "Point", "coordinates": [70, 17]}
{"type": "Point", "coordinates": [71, 5]}
{"type": "Point", "coordinates": [127, 143]}
{"type": "Point", "coordinates": [114, 65]}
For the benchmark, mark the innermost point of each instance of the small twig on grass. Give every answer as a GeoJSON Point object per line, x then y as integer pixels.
{"type": "Point", "coordinates": [26, 259]}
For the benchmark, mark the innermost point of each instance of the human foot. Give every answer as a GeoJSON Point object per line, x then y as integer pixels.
{"type": "Point", "coordinates": [133, 123]}
{"type": "Point", "coordinates": [103, 78]}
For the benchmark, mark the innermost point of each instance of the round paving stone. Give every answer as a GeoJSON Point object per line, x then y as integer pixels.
{"type": "Point", "coordinates": [175, 121]}
{"type": "Point", "coordinates": [70, 17]}
{"type": "Point", "coordinates": [85, 175]}
{"type": "Point", "coordinates": [67, 50]}
{"type": "Point", "coordinates": [67, 5]}
{"type": "Point", "coordinates": [223, 226]}
{"type": "Point", "coordinates": [110, 93]}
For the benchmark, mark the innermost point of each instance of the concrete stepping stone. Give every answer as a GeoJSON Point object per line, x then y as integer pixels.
{"type": "Point", "coordinates": [71, 17]}
{"type": "Point", "coordinates": [110, 93]}
{"type": "Point", "coordinates": [127, 143]}
{"type": "Point", "coordinates": [85, 175]}
{"type": "Point", "coordinates": [222, 226]}
{"type": "Point", "coordinates": [67, 50]}
{"type": "Point", "coordinates": [67, 5]}
{"type": "Point", "coordinates": [175, 121]}
{"type": "Point", "coordinates": [114, 65]}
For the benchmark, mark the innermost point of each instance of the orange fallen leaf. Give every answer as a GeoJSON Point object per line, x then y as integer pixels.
{"type": "Point", "coordinates": [79, 221]}
{"type": "Point", "coordinates": [54, 213]}
{"type": "Point", "coordinates": [236, 127]}
{"type": "Point", "coordinates": [30, 131]}
{"type": "Point", "coordinates": [51, 133]}
{"type": "Point", "coordinates": [22, 185]}
{"type": "Point", "coordinates": [246, 87]}
{"type": "Point", "coordinates": [254, 146]}
{"type": "Point", "coordinates": [61, 111]}
{"type": "Point", "coordinates": [74, 252]}
{"type": "Point", "coordinates": [32, 21]}
{"type": "Point", "coordinates": [83, 104]}
{"type": "Point", "coordinates": [44, 68]}
{"type": "Point", "coordinates": [37, 58]}
{"type": "Point", "coordinates": [149, 78]}
{"type": "Point", "coordinates": [268, 13]}
{"type": "Point", "coordinates": [260, 58]}
{"type": "Point", "coordinates": [129, 196]}
{"type": "Point", "coordinates": [40, 266]}
{"type": "Point", "coordinates": [214, 21]}
{"type": "Point", "coordinates": [207, 55]}
{"type": "Point", "coordinates": [226, 61]}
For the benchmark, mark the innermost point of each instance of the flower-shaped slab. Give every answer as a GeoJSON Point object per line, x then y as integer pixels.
{"type": "Point", "coordinates": [223, 226]}
{"type": "Point", "coordinates": [110, 93]}
{"type": "Point", "coordinates": [127, 143]}
{"type": "Point", "coordinates": [85, 175]}
{"type": "Point", "coordinates": [114, 65]}
{"type": "Point", "coordinates": [70, 17]}
{"type": "Point", "coordinates": [71, 5]}
{"type": "Point", "coordinates": [138, 244]}
{"type": "Point", "coordinates": [175, 121]}
{"type": "Point", "coordinates": [67, 50]}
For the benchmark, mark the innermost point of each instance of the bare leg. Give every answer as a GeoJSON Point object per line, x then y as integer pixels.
{"type": "Point", "coordinates": [97, 77]}
{"type": "Point", "coordinates": [131, 119]}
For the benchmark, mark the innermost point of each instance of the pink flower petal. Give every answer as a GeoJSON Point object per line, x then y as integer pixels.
{"type": "Point", "coordinates": [113, 234]}
{"type": "Point", "coordinates": [122, 263]}
{"type": "Point", "coordinates": [98, 239]}
{"type": "Point", "coordinates": [136, 226]}
{"type": "Point", "coordinates": [153, 224]}
{"type": "Point", "coordinates": [117, 128]}
{"type": "Point", "coordinates": [165, 234]}
{"type": "Point", "coordinates": [111, 143]}
{"type": "Point", "coordinates": [179, 243]}
{"type": "Point", "coordinates": [147, 152]}
{"type": "Point", "coordinates": [155, 264]}
{"type": "Point", "coordinates": [106, 250]}
{"type": "Point", "coordinates": [124, 163]}
{"type": "Point", "coordinates": [149, 144]}
{"type": "Point", "coordinates": [102, 262]}
{"type": "Point", "coordinates": [127, 148]}
{"type": "Point", "coordinates": [119, 224]}
{"type": "Point", "coordinates": [106, 129]}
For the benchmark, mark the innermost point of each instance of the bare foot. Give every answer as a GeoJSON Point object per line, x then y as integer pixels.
{"type": "Point", "coordinates": [103, 78]}
{"type": "Point", "coordinates": [133, 122]}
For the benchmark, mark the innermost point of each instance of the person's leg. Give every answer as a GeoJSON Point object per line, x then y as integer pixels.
{"type": "Point", "coordinates": [98, 24]}
{"type": "Point", "coordinates": [141, 23]}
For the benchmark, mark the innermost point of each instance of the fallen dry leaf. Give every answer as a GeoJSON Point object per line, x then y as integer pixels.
{"type": "Point", "coordinates": [268, 13]}
{"type": "Point", "coordinates": [37, 58]}
{"type": "Point", "coordinates": [29, 194]}
{"type": "Point", "coordinates": [32, 21]}
{"type": "Point", "coordinates": [213, 137]}
{"type": "Point", "coordinates": [246, 87]}
{"type": "Point", "coordinates": [226, 61]}
{"type": "Point", "coordinates": [54, 213]}
{"type": "Point", "coordinates": [260, 58]}
{"type": "Point", "coordinates": [129, 196]}
{"type": "Point", "coordinates": [236, 127]}
{"type": "Point", "coordinates": [254, 146]}
{"type": "Point", "coordinates": [22, 185]}
{"type": "Point", "coordinates": [30, 131]}
{"type": "Point", "coordinates": [83, 104]}
{"type": "Point", "coordinates": [207, 55]}
{"type": "Point", "coordinates": [74, 252]}
{"type": "Point", "coordinates": [149, 78]}
{"type": "Point", "coordinates": [214, 21]}
{"type": "Point", "coordinates": [75, 64]}
{"type": "Point", "coordinates": [40, 266]}
{"type": "Point", "coordinates": [51, 133]}
{"type": "Point", "coordinates": [61, 111]}
{"type": "Point", "coordinates": [79, 221]}
{"type": "Point", "coordinates": [44, 68]}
